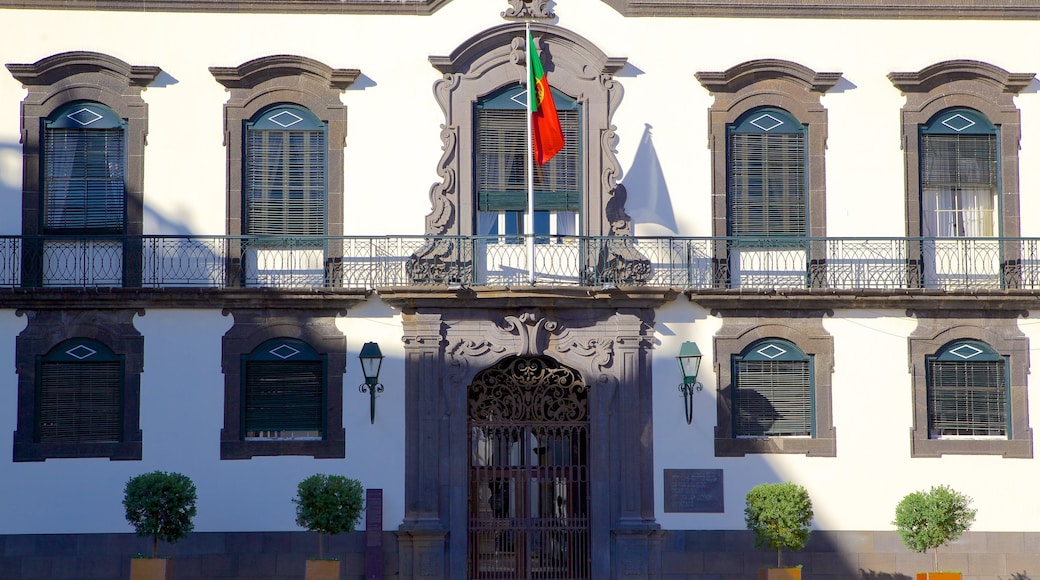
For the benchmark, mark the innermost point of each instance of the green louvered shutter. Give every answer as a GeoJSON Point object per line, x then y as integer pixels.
{"type": "Point", "coordinates": [284, 390]}
{"type": "Point", "coordinates": [84, 170]}
{"type": "Point", "coordinates": [773, 394]}
{"type": "Point", "coordinates": [968, 391]}
{"type": "Point", "coordinates": [501, 149]}
{"type": "Point", "coordinates": [767, 169]}
{"type": "Point", "coordinates": [285, 173]}
{"type": "Point", "coordinates": [80, 394]}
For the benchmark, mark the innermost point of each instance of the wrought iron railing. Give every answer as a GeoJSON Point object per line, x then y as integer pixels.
{"type": "Point", "coordinates": [951, 264]}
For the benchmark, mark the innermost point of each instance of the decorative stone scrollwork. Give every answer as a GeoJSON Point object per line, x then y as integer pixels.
{"type": "Point", "coordinates": [530, 329]}
{"type": "Point", "coordinates": [601, 350]}
{"type": "Point", "coordinates": [528, 9]}
{"type": "Point", "coordinates": [528, 389]}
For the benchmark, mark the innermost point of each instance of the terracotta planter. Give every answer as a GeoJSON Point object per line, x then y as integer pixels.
{"type": "Point", "coordinates": [322, 570]}
{"type": "Point", "coordinates": [780, 574]}
{"type": "Point", "coordinates": [938, 576]}
{"type": "Point", "coordinates": [150, 569]}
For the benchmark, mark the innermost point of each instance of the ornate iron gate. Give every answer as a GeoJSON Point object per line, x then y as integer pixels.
{"type": "Point", "coordinates": [529, 475]}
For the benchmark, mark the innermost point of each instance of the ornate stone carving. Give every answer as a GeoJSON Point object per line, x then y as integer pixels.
{"type": "Point", "coordinates": [531, 331]}
{"type": "Point", "coordinates": [601, 350]}
{"type": "Point", "coordinates": [528, 9]}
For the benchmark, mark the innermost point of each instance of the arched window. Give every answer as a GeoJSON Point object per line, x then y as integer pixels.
{"type": "Point", "coordinates": [285, 173]}
{"type": "Point", "coordinates": [773, 390]}
{"type": "Point", "coordinates": [967, 391]}
{"type": "Point", "coordinates": [283, 391]}
{"type": "Point", "coordinates": [79, 394]}
{"type": "Point", "coordinates": [84, 170]}
{"type": "Point", "coordinates": [767, 175]}
{"type": "Point", "coordinates": [959, 175]}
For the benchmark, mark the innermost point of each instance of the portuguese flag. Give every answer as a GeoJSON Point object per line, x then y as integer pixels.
{"type": "Point", "coordinates": [546, 133]}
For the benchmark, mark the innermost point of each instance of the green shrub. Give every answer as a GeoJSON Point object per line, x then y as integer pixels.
{"type": "Point", "coordinates": [929, 519]}
{"type": "Point", "coordinates": [328, 504]}
{"type": "Point", "coordinates": [160, 505]}
{"type": "Point", "coordinates": [779, 515]}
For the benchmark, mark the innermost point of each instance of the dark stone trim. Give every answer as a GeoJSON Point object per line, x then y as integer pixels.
{"type": "Point", "coordinates": [321, 299]}
{"type": "Point", "coordinates": [270, 80]}
{"type": "Point", "coordinates": [406, 7]}
{"type": "Point", "coordinates": [251, 329]}
{"type": "Point", "coordinates": [903, 10]}
{"type": "Point", "coordinates": [527, 297]}
{"type": "Point", "coordinates": [46, 329]}
{"type": "Point", "coordinates": [769, 83]}
{"type": "Point", "coordinates": [63, 78]}
{"type": "Point", "coordinates": [804, 329]}
{"type": "Point", "coordinates": [996, 328]}
{"type": "Point", "coordinates": [794, 300]}
{"type": "Point", "coordinates": [972, 84]}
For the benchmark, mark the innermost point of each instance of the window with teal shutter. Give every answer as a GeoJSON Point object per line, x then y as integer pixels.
{"type": "Point", "coordinates": [79, 394]}
{"type": "Point", "coordinates": [959, 175]}
{"type": "Point", "coordinates": [286, 169]}
{"type": "Point", "coordinates": [284, 391]}
{"type": "Point", "coordinates": [84, 170]}
{"type": "Point", "coordinates": [967, 391]}
{"type": "Point", "coordinates": [500, 161]}
{"type": "Point", "coordinates": [767, 175]}
{"type": "Point", "coordinates": [773, 390]}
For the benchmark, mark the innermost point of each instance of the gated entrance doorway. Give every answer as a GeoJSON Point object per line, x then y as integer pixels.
{"type": "Point", "coordinates": [529, 475]}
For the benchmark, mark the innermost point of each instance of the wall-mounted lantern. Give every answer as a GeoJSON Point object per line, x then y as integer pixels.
{"type": "Point", "coordinates": [690, 364]}
{"type": "Point", "coordinates": [371, 359]}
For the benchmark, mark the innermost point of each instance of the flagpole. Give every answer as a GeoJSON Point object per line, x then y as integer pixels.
{"type": "Point", "coordinates": [529, 219]}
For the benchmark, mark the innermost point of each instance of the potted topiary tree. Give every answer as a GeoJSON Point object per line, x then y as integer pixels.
{"type": "Point", "coordinates": [779, 515]}
{"type": "Point", "coordinates": [929, 519]}
{"type": "Point", "coordinates": [160, 505]}
{"type": "Point", "coordinates": [327, 504]}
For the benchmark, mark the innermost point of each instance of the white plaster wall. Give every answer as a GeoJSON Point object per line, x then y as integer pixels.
{"type": "Point", "coordinates": [391, 155]}
{"type": "Point", "coordinates": [860, 487]}
{"type": "Point", "coordinates": [393, 144]}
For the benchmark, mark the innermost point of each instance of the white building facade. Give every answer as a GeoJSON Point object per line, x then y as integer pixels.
{"type": "Point", "coordinates": [207, 208]}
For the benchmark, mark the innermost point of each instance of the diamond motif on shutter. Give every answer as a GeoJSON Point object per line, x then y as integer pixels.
{"type": "Point", "coordinates": [284, 352]}
{"type": "Point", "coordinates": [766, 122]}
{"type": "Point", "coordinates": [771, 351]}
{"type": "Point", "coordinates": [958, 122]}
{"type": "Point", "coordinates": [966, 351]}
{"type": "Point", "coordinates": [84, 116]}
{"type": "Point", "coordinates": [285, 119]}
{"type": "Point", "coordinates": [81, 352]}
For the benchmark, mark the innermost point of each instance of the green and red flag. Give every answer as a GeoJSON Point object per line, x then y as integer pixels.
{"type": "Point", "coordinates": [546, 133]}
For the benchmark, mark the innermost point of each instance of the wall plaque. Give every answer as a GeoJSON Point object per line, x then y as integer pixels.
{"type": "Point", "coordinates": [693, 491]}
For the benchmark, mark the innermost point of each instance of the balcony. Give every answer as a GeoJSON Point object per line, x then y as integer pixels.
{"type": "Point", "coordinates": [953, 265]}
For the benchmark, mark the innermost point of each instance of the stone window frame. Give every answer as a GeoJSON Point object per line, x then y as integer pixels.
{"type": "Point", "coordinates": [495, 58]}
{"type": "Point", "coordinates": [67, 77]}
{"type": "Point", "coordinates": [271, 80]}
{"type": "Point", "coordinates": [934, 331]}
{"type": "Point", "coordinates": [970, 84]}
{"type": "Point", "coordinates": [807, 333]}
{"type": "Point", "coordinates": [49, 328]}
{"type": "Point", "coordinates": [255, 327]}
{"type": "Point", "coordinates": [785, 85]}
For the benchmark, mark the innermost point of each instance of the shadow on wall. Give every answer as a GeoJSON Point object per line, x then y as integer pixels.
{"type": "Point", "coordinates": [10, 188]}
{"type": "Point", "coordinates": [649, 200]}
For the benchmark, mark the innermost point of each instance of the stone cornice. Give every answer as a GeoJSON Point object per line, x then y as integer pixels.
{"type": "Point", "coordinates": [189, 298]}
{"type": "Point", "coordinates": [413, 7]}
{"type": "Point", "coordinates": [827, 301]}
{"type": "Point", "coordinates": [416, 297]}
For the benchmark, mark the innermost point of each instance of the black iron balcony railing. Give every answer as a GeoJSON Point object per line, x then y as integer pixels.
{"type": "Point", "coordinates": [951, 264]}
